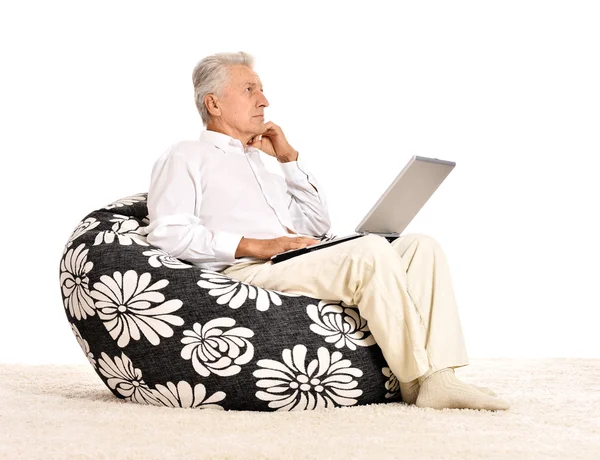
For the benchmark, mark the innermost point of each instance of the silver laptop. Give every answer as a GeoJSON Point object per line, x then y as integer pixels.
{"type": "Point", "coordinates": [396, 208]}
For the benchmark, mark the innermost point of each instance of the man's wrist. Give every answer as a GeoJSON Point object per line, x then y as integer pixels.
{"type": "Point", "coordinates": [247, 248]}
{"type": "Point", "coordinates": [287, 158]}
{"type": "Point", "coordinates": [243, 248]}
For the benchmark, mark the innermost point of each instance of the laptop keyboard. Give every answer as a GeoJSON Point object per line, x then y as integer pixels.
{"type": "Point", "coordinates": [327, 238]}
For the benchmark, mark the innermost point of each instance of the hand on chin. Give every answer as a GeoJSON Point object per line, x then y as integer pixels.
{"type": "Point", "coordinates": [262, 143]}
{"type": "Point", "coordinates": [272, 137]}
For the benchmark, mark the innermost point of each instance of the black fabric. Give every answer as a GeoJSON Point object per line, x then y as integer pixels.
{"type": "Point", "coordinates": [161, 331]}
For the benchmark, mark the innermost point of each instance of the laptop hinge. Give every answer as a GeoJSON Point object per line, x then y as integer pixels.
{"type": "Point", "coordinates": [381, 234]}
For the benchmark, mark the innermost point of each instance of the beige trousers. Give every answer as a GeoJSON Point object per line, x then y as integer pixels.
{"type": "Point", "coordinates": [403, 289]}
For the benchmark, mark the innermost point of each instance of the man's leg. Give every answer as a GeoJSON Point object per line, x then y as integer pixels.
{"type": "Point", "coordinates": [424, 272]}
{"type": "Point", "coordinates": [372, 274]}
{"type": "Point", "coordinates": [430, 287]}
{"type": "Point", "coordinates": [366, 272]}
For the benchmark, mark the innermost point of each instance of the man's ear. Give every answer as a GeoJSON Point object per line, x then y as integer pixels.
{"type": "Point", "coordinates": [212, 105]}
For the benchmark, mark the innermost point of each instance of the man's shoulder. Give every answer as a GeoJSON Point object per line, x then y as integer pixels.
{"type": "Point", "coordinates": [187, 150]}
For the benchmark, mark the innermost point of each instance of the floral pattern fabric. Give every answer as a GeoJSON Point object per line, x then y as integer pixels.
{"type": "Point", "coordinates": [160, 331]}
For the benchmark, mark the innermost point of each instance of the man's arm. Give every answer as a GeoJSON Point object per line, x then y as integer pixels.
{"type": "Point", "coordinates": [296, 159]}
{"type": "Point", "coordinates": [173, 195]}
{"type": "Point", "coordinates": [247, 247]}
{"type": "Point", "coordinates": [308, 207]}
{"type": "Point", "coordinates": [284, 154]}
{"type": "Point", "coordinates": [265, 249]}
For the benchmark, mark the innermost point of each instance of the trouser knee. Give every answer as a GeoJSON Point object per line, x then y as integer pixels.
{"type": "Point", "coordinates": [422, 241]}
{"type": "Point", "coordinates": [371, 247]}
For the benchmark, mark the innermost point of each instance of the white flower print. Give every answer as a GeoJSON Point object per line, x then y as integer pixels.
{"type": "Point", "coordinates": [74, 268]}
{"type": "Point", "coordinates": [124, 304]}
{"type": "Point", "coordinates": [234, 293]}
{"type": "Point", "coordinates": [158, 257]}
{"type": "Point", "coordinates": [325, 382]}
{"type": "Point", "coordinates": [213, 350]}
{"type": "Point", "coordinates": [122, 376]}
{"type": "Point", "coordinates": [83, 227]}
{"type": "Point", "coordinates": [127, 201]}
{"type": "Point", "coordinates": [126, 229]}
{"type": "Point", "coordinates": [392, 385]}
{"type": "Point", "coordinates": [340, 324]}
{"type": "Point", "coordinates": [182, 395]}
{"type": "Point", "coordinates": [84, 345]}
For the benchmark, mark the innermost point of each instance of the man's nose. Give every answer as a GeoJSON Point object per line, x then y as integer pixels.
{"type": "Point", "coordinates": [262, 100]}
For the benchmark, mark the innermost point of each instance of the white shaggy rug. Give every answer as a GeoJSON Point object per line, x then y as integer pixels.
{"type": "Point", "coordinates": [64, 412]}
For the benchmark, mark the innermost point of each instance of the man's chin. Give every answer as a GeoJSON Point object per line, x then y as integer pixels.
{"type": "Point", "coordinates": [255, 133]}
{"type": "Point", "coordinates": [258, 129]}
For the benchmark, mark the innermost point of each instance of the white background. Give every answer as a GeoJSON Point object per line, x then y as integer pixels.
{"type": "Point", "coordinates": [92, 94]}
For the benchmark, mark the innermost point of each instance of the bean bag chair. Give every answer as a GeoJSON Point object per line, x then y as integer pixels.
{"type": "Point", "coordinates": [160, 331]}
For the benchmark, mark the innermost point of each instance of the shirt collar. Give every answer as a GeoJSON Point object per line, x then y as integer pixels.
{"type": "Point", "coordinates": [223, 141]}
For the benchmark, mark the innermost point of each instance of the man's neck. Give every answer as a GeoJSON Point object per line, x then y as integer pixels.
{"type": "Point", "coordinates": [243, 138]}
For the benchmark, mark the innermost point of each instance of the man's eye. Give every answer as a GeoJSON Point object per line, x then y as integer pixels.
{"type": "Point", "coordinates": [248, 88]}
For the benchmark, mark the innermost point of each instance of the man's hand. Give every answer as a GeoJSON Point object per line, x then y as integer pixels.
{"type": "Point", "coordinates": [265, 249]}
{"type": "Point", "coordinates": [273, 142]}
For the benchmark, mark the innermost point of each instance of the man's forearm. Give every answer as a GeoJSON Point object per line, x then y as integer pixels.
{"type": "Point", "coordinates": [294, 157]}
{"type": "Point", "coordinates": [247, 247]}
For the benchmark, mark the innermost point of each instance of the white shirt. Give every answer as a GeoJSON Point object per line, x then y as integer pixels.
{"type": "Point", "coordinates": [205, 195]}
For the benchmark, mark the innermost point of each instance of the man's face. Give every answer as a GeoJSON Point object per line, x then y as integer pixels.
{"type": "Point", "coordinates": [243, 103]}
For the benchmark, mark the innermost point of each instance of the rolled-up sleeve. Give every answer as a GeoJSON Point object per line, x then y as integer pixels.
{"type": "Point", "coordinates": [308, 207]}
{"type": "Point", "coordinates": [173, 196]}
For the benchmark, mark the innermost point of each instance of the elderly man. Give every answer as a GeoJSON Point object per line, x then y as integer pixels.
{"type": "Point", "coordinates": [213, 203]}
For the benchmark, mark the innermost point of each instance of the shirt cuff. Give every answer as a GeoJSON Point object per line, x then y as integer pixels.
{"type": "Point", "coordinates": [225, 244]}
{"type": "Point", "coordinates": [293, 170]}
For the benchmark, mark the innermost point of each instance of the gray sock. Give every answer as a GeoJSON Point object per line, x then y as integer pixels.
{"type": "Point", "coordinates": [410, 391]}
{"type": "Point", "coordinates": [485, 390]}
{"type": "Point", "coordinates": [441, 389]}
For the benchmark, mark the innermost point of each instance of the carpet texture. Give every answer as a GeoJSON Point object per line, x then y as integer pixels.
{"type": "Point", "coordinates": [64, 412]}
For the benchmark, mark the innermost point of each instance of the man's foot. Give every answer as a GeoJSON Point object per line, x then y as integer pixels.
{"type": "Point", "coordinates": [443, 390]}
{"type": "Point", "coordinates": [410, 391]}
{"type": "Point", "coordinates": [485, 390]}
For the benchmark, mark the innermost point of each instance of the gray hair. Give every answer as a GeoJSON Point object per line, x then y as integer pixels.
{"type": "Point", "coordinates": [211, 75]}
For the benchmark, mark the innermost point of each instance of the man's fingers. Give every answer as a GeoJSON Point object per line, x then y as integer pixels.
{"type": "Point", "coordinates": [301, 242]}
{"type": "Point", "coordinates": [310, 241]}
{"type": "Point", "coordinates": [270, 127]}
